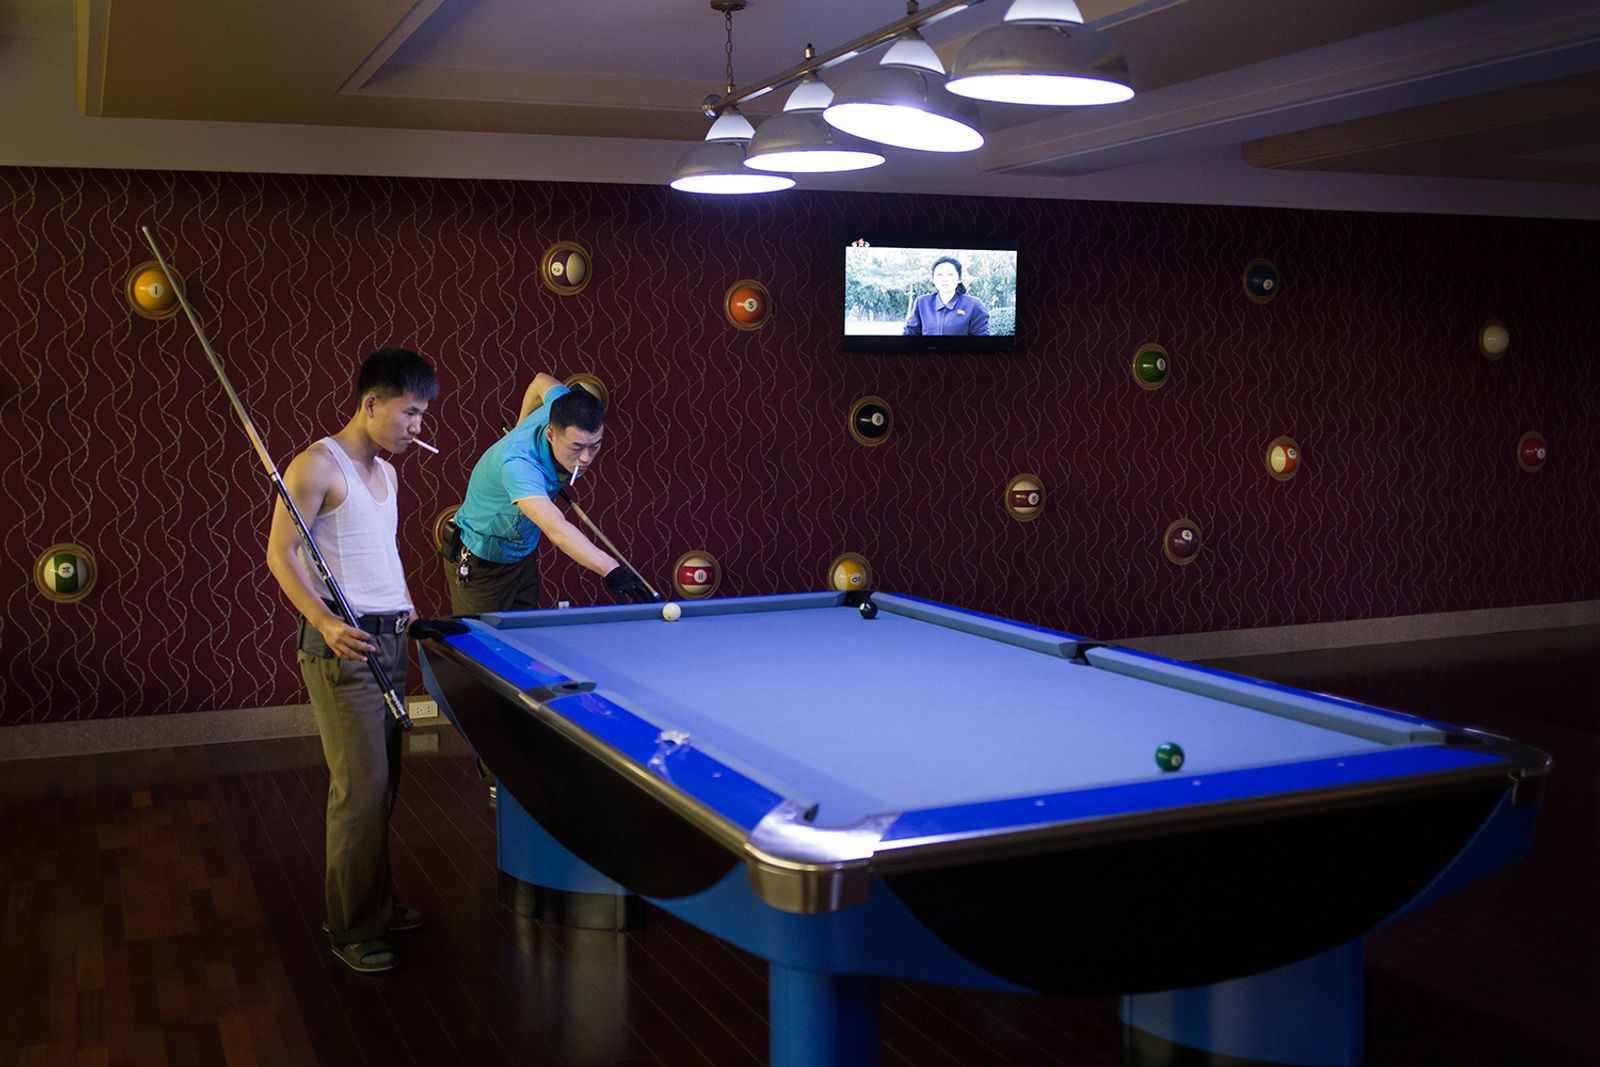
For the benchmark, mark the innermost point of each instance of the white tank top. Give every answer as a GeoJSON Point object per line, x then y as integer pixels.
{"type": "Point", "coordinates": [357, 539]}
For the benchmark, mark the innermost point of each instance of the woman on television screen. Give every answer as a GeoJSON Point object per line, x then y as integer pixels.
{"type": "Point", "coordinates": [948, 310]}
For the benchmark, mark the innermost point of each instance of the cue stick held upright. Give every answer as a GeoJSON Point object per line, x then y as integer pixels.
{"type": "Point", "coordinates": [391, 699]}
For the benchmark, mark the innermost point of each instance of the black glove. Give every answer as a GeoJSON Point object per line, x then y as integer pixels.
{"type": "Point", "coordinates": [422, 629]}
{"type": "Point", "coordinates": [628, 588]}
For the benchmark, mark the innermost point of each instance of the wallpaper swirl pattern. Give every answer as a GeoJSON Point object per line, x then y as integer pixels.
{"type": "Point", "coordinates": [115, 435]}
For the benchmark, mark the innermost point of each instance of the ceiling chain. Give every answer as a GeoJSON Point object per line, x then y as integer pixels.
{"type": "Point", "coordinates": [728, 7]}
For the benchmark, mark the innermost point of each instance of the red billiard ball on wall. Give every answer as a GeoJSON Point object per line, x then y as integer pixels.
{"type": "Point", "coordinates": [696, 575]}
{"type": "Point", "coordinates": [1532, 451]}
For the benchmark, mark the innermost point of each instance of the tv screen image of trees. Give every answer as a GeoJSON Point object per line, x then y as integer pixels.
{"type": "Point", "coordinates": [883, 284]}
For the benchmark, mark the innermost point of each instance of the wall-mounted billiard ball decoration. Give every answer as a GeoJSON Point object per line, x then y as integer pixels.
{"type": "Point", "coordinates": [696, 575]}
{"type": "Point", "coordinates": [1283, 458]}
{"type": "Point", "coordinates": [1261, 282]}
{"type": "Point", "coordinates": [150, 292]}
{"type": "Point", "coordinates": [593, 385]}
{"type": "Point", "coordinates": [850, 572]}
{"type": "Point", "coordinates": [870, 420]}
{"type": "Point", "coordinates": [1493, 339]}
{"type": "Point", "coordinates": [747, 304]}
{"type": "Point", "coordinates": [1151, 366]}
{"type": "Point", "coordinates": [436, 528]}
{"type": "Point", "coordinates": [1181, 542]}
{"type": "Point", "coordinates": [1024, 497]}
{"type": "Point", "coordinates": [1532, 452]}
{"type": "Point", "coordinates": [565, 268]}
{"type": "Point", "coordinates": [65, 573]}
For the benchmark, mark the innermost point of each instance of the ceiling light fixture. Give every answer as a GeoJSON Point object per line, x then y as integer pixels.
{"type": "Point", "coordinates": [1042, 54]}
{"type": "Point", "coordinates": [903, 102]}
{"type": "Point", "coordinates": [798, 140]}
{"type": "Point", "coordinates": [716, 166]}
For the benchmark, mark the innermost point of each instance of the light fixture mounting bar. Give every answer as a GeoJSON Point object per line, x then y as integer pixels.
{"type": "Point", "coordinates": [714, 105]}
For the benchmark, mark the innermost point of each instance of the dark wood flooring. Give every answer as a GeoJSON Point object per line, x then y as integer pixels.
{"type": "Point", "coordinates": [163, 907]}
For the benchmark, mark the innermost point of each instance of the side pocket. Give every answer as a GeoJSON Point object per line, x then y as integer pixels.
{"type": "Point", "coordinates": [310, 641]}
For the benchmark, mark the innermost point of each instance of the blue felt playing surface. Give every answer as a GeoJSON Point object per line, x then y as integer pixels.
{"type": "Point", "coordinates": [862, 717]}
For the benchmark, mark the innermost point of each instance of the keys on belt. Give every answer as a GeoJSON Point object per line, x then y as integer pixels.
{"type": "Point", "coordinates": [384, 624]}
{"type": "Point", "coordinates": [378, 624]}
{"type": "Point", "coordinates": [452, 547]}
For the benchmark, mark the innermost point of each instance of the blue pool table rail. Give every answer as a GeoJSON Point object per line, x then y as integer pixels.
{"type": "Point", "coordinates": [799, 867]}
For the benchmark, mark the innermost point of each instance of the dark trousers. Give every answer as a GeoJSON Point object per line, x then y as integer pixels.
{"type": "Point", "coordinates": [494, 586]}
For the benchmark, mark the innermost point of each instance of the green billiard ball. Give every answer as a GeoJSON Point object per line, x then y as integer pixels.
{"type": "Point", "coordinates": [1150, 366]}
{"type": "Point", "coordinates": [1169, 757]}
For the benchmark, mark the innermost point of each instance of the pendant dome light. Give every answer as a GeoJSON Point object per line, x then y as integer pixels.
{"type": "Point", "coordinates": [1043, 54]}
{"type": "Point", "coordinates": [798, 140]}
{"type": "Point", "coordinates": [716, 165]}
{"type": "Point", "coordinates": [903, 102]}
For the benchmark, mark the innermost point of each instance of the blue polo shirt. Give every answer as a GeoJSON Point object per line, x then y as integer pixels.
{"type": "Point", "coordinates": [965, 314]}
{"type": "Point", "coordinates": [519, 466]}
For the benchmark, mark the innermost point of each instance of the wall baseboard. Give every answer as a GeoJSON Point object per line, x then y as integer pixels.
{"type": "Point", "coordinates": [1227, 644]}
{"type": "Point", "coordinates": [94, 736]}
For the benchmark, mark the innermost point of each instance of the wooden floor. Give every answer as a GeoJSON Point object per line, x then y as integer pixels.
{"type": "Point", "coordinates": [163, 908]}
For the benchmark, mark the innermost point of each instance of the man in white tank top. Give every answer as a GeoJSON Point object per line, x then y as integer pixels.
{"type": "Point", "coordinates": [347, 494]}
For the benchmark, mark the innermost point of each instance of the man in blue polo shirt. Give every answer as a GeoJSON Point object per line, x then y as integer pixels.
{"type": "Point", "coordinates": [949, 309]}
{"type": "Point", "coordinates": [491, 562]}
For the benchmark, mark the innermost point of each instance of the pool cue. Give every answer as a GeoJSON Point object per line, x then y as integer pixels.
{"type": "Point", "coordinates": [576, 510]}
{"type": "Point", "coordinates": [392, 699]}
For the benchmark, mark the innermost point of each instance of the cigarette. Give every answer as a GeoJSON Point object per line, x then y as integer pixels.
{"type": "Point", "coordinates": [419, 442]}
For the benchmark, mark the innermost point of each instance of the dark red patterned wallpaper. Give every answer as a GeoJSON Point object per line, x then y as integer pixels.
{"type": "Point", "coordinates": [114, 434]}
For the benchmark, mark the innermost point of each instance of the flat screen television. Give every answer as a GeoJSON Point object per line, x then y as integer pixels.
{"type": "Point", "coordinates": [921, 294]}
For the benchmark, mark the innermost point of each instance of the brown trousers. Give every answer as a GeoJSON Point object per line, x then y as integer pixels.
{"type": "Point", "coordinates": [361, 743]}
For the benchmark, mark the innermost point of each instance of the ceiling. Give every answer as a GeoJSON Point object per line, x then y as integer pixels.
{"type": "Point", "coordinates": [1409, 105]}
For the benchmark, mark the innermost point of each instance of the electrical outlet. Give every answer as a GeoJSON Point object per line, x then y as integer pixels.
{"type": "Point", "coordinates": [422, 708]}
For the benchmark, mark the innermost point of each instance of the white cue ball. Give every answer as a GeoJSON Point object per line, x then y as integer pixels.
{"type": "Point", "coordinates": [671, 612]}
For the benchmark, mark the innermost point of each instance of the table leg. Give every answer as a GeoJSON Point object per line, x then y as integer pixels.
{"type": "Point", "coordinates": [822, 1020]}
{"type": "Point", "coordinates": [1308, 1013]}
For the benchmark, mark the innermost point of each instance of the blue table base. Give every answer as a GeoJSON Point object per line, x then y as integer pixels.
{"type": "Point", "coordinates": [1307, 1014]}
{"type": "Point", "coordinates": [541, 878]}
{"type": "Point", "coordinates": [822, 1018]}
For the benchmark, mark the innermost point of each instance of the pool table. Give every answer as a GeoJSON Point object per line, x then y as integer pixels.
{"type": "Point", "coordinates": [941, 795]}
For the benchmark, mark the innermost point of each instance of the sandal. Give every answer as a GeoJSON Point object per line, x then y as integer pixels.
{"type": "Point", "coordinates": [368, 957]}
{"type": "Point", "coordinates": [401, 919]}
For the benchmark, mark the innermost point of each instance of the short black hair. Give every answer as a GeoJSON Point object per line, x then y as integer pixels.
{"type": "Point", "coordinates": [579, 408]}
{"type": "Point", "coordinates": [391, 371]}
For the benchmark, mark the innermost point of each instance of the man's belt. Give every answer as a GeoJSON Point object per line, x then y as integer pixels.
{"type": "Point", "coordinates": [384, 624]}
{"type": "Point", "coordinates": [378, 624]}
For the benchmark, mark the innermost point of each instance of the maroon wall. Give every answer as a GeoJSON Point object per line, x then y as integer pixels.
{"type": "Point", "coordinates": [114, 433]}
